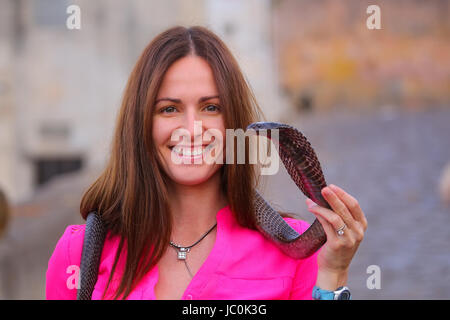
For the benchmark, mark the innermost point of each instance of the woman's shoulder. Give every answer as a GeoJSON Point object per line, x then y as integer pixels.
{"type": "Point", "coordinates": [63, 266]}
{"type": "Point", "coordinates": [70, 244]}
{"type": "Point", "coordinates": [69, 247]}
{"type": "Point", "coordinates": [74, 232]}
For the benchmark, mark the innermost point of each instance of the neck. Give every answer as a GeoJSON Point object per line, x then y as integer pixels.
{"type": "Point", "coordinates": [194, 209]}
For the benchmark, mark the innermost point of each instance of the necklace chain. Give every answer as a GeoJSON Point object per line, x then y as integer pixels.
{"type": "Point", "coordinates": [182, 251]}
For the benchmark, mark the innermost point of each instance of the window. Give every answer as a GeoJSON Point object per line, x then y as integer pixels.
{"type": "Point", "coordinates": [48, 168]}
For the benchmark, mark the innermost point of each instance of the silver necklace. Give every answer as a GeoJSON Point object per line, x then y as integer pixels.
{"type": "Point", "coordinates": [183, 251]}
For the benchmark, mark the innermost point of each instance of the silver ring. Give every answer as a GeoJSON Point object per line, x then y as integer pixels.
{"type": "Point", "coordinates": [340, 231]}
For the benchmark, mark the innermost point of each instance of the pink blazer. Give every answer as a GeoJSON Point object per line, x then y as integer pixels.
{"type": "Point", "coordinates": [242, 265]}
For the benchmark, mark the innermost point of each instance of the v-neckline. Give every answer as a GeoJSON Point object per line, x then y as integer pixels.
{"type": "Point", "coordinates": [212, 262]}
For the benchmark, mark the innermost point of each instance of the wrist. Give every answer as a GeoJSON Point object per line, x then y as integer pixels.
{"type": "Point", "coordinates": [341, 293]}
{"type": "Point", "coordinates": [331, 279]}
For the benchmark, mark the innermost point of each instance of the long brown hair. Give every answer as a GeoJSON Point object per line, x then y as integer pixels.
{"type": "Point", "coordinates": [131, 194]}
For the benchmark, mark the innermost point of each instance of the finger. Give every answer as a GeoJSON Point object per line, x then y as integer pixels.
{"type": "Point", "coordinates": [351, 203]}
{"type": "Point", "coordinates": [327, 226]}
{"type": "Point", "coordinates": [338, 206]}
{"type": "Point", "coordinates": [335, 241]}
{"type": "Point", "coordinates": [334, 220]}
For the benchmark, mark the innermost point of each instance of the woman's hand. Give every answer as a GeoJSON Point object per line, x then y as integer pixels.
{"type": "Point", "coordinates": [335, 256]}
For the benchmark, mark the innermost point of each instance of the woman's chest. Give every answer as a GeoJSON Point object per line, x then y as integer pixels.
{"type": "Point", "coordinates": [224, 269]}
{"type": "Point", "coordinates": [176, 271]}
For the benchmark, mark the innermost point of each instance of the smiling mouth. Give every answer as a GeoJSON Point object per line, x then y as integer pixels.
{"type": "Point", "coordinates": [191, 151]}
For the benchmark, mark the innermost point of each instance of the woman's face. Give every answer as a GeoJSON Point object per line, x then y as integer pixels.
{"type": "Point", "coordinates": [187, 106]}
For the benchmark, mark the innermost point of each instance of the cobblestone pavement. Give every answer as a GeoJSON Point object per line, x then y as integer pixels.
{"type": "Point", "coordinates": [391, 162]}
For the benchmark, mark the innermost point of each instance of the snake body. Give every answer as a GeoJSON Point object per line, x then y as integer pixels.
{"type": "Point", "coordinates": [94, 238]}
{"type": "Point", "coordinates": [302, 164]}
{"type": "Point", "coordinates": [304, 168]}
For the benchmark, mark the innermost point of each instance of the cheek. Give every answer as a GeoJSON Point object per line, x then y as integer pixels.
{"type": "Point", "coordinates": [161, 132]}
{"type": "Point", "coordinates": [219, 126]}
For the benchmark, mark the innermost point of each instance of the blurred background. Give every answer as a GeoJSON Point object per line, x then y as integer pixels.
{"type": "Point", "coordinates": [374, 104]}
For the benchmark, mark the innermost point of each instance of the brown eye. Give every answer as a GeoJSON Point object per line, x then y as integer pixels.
{"type": "Point", "coordinates": [212, 108]}
{"type": "Point", "coordinates": [169, 109]}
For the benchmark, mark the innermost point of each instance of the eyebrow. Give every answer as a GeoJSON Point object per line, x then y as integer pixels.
{"type": "Point", "coordinates": [202, 99]}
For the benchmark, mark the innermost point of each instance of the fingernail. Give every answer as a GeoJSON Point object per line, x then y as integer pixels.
{"type": "Point", "coordinates": [310, 203]}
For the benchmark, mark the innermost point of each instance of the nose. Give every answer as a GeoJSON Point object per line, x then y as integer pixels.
{"type": "Point", "coordinates": [193, 124]}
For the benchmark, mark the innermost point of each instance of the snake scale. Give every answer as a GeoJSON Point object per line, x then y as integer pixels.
{"type": "Point", "coordinates": [303, 167]}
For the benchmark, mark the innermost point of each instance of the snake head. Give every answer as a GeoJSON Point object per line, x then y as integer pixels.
{"type": "Point", "coordinates": [267, 126]}
{"type": "Point", "coordinates": [285, 131]}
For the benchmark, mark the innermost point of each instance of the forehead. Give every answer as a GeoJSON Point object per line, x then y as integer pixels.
{"type": "Point", "coordinates": [189, 76]}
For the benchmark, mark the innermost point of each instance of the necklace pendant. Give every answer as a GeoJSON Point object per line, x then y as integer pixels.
{"type": "Point", "coordinates": [182, 253]}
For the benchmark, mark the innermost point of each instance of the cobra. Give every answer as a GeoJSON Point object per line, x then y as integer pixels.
{"type": "Point", "coordinates": [304, 168]}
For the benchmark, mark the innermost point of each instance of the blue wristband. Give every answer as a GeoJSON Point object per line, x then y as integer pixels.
{"type": "Point", "coordinates": [320, 294]}
{"type": "Point", "coordinates": [341, 293]}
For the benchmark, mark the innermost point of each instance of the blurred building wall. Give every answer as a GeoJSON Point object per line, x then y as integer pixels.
{"type": "Point", "coordinates": [246, 26]}
{"type": "Point", "coordinates": [329, 57]}
{"type": "Point", "coordinates": [13, 167]}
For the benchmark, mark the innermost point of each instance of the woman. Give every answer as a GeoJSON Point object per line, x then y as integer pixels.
{"type": "Point", "coordinates": [154, 194]}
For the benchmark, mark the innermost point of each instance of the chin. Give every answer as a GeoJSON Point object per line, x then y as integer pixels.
{"type": "Point", "coordinates": [192, 175]}
{"type": "Point", "coordinates": [189, 173]}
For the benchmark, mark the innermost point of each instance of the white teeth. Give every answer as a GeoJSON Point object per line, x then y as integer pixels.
{"type": "Point", "coordinates": [197, 151]}
{"type": "Point", "coordinates": [187, 152]}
